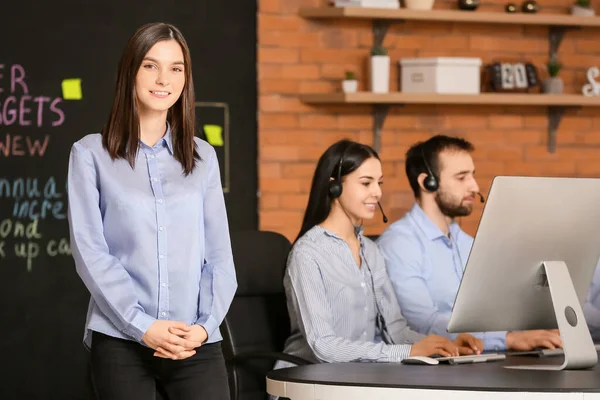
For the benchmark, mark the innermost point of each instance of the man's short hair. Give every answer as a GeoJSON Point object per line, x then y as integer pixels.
{"type": "Point", "coordinates": [423, 154]}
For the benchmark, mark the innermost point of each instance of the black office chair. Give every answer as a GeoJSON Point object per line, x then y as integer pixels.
{"type": "Point", "coordinates": [373, 237]}
{"type": "Point", "coordinates": [257, 324]}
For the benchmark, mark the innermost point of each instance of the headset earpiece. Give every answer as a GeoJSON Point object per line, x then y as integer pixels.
{"type": "Point", "coordinates": [335, 186]}
{"type": "Point", "coordinates": [430, 183]}
{"type": "Point", "coordinates": [335, 189]}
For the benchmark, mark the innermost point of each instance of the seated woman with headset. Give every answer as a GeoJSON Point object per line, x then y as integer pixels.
{"type": "Point", "coordinates": [341, 302]}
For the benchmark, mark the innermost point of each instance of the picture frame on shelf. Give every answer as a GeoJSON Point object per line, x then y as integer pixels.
{"type": "Point", "coordinates": [502, 76]}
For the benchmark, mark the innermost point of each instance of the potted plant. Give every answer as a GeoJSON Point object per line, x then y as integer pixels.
{"type": "Point", "coordinates": [582, 8]}
{"type": "Point", "coordinates": [554, 84]}
{"type": "Point", "coordinates": [419, 4]}
{"type": "Point", "coordinates": [350, 84]}
{"type": "Point", "coordinates": [380, 70]}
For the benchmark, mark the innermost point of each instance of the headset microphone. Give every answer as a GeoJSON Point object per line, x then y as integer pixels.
{"type": "Point", "coordinates": [481, 198]}
{"type": "Point", "coordinates": [385, 220]}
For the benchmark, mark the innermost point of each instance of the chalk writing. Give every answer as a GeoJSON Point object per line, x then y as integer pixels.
{"type": "Point", "coordinates": [33, 199]}
{"type": "Point", "coordinates": [18, 229]}
{"type": "Point", "coordinates": [19, 145]}
{"type": "Point", "coordinates": [29, 187]}
{"type": "Point", "coordinates": [38, 209]}
{"type": "Point", "coordinates": [28, 251]}
{"type": "Point", "coordinates": [24, 115]}
{"type": "Point", "coordinates": [21, 108]}
{"type": "Point", "coordinates": [28, 246]}
{"type": "Point", "coordinates": [56, 247]}
{"type": "Point", "coordinates": [17, 107]}
{"type": "Point", "coordinates": [16, 110]}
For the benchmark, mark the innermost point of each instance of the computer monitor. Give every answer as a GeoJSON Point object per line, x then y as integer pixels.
{"type": "Point", "coordinates": [532, 261]}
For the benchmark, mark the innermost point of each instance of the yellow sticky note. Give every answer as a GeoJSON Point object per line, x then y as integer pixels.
{"type": "Point", "coordinates": [71, 89]}
{"type": "Point", "coordinates": [214, 134]}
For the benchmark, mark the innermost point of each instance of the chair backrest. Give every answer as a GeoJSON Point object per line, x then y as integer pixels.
{"type": "Point", "coordinates": [373, 237]}
{"type": "Point", "coordinates": [257, 319]}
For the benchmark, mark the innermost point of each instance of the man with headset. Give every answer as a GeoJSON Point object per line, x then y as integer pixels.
{"type": "Point", "coordinates": [426, 250]}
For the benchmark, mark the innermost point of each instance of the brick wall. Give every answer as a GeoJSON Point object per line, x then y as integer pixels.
{"type": "Point", "coordinates": [309, 56]}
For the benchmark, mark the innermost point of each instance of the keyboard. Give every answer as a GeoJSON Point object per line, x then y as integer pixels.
{"type": "Point", "coordinates": [478, 358]}
{"type": "Point", "coordinates": [543, 352]}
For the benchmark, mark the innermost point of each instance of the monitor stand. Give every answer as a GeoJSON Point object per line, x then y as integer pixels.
{"type": "Point", "coordinates": [578, 346]}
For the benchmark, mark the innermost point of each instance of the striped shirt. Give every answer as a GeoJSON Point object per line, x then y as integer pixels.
{"type": "Point", "coordinates": [331, 301]}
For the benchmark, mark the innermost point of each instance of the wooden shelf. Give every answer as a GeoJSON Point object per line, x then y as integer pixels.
{"type": "Point", "coordinates": [555, 104]}
{"type": "Point", "coordinates": [565, 20]}
{"type": "Point", "coordinates": [498, 99]}
{"type": "Point", "coordinates": [381, 19]}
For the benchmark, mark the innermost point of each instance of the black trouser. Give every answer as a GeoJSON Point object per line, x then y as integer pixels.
{"type": "Point", "coordinates": [126, 370]}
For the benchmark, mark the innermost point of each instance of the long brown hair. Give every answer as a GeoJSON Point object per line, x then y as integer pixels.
{"type": "Point", "coordinates": [121, 134]}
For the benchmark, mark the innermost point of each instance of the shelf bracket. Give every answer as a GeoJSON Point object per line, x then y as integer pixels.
{"type": "Point", "coordinates": [380, 112]}
{"type": "Point", "coordinates": [380, 28]}
{"type": "Point", "coordinates": [555, 114]}
{"type": "Point", "coordinates": [555, 37]}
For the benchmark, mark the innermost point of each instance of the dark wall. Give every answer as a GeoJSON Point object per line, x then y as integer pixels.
{"type": "Point", "coordinates": [43, 303]}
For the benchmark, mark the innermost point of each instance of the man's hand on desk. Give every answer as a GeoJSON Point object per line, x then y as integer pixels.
{"type": "Point", "coordinates": [468, 344]}
{"type": "Point", "coordinates": [529, 340]}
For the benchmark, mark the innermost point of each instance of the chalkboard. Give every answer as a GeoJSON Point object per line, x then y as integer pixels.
{"type": "Point", "coordinates": [57, 67]}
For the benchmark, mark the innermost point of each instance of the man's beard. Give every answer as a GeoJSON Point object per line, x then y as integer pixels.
{"type": "Point", "coordinates": [449, 209]}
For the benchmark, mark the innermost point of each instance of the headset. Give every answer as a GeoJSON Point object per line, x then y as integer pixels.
{"type": "Point", "coordinates": [430, 183]}
{"type": "Point", "coordinates": [336, 188]}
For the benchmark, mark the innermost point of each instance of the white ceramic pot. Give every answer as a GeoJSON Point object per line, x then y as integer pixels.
{"type": "Point", "coordinates": [553, 85]}
{"type": "Point", "coordinates": [419, 4]}
{"type": "Point", "coordinates": [350, 86]}
{"type": "Point", "coordinates": [380, 74]}
{"type": "Point", "coordinates": [582, 11]}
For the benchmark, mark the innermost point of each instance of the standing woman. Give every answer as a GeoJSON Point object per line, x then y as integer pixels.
{"type": "Point", "coordinates": [149, 232]}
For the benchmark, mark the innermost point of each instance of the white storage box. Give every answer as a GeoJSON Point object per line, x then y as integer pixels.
{"type": "Point", "coordinates": [454, 75]}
